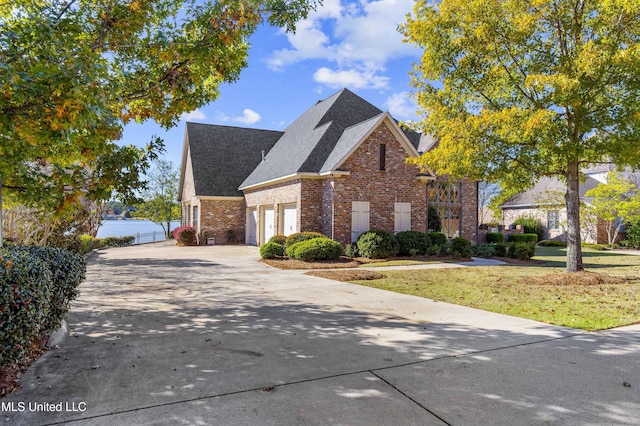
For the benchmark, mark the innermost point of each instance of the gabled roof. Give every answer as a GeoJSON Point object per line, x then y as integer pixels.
{"type": "Point", "coordinates": [534, 197]}
{"type": "Point", "coordinates": [318, 140]}
{"type": "Point", "coordinates": [223, 156]}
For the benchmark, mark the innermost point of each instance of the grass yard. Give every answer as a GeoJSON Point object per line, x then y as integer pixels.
{"type": "Point", "coordinates": [606, 296]}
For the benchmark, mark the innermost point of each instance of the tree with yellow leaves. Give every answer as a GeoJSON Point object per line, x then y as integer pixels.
{"type": "Point", "coordinates": [520, 89]}
{"type": "Point", "coordinates": [73, 73]}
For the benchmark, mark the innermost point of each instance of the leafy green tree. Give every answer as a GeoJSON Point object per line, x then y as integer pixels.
{"type": "Point", "coordinates": [434, 223]}
{"type": "Point", "coordinates": [616, 202]}
{"type": "Point", "coordinates": [73, 73]}
{"type": "Point", "coordinates": [160, 203]}
{"type": "Point", "coordinates": [518, 90]}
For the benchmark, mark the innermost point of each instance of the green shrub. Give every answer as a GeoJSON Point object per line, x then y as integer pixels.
{"type": "Point", "coordinates": [500, 249]}
{"type": "Point", "coordinates": [495, 237]}
{"type": "Point", "coordinates": [68, 270]}
{"type": "Point", "coordinates": [632, 238]}
{"type": "Point", "coordinates": [531, 225]}
{"type": "Point", "coordinates": [521, 250]}
{"type": "Point", "coordinates": [484, 250]}
{"type": "Point", "coordinates": [24, 302]}
{"type": "Point", "coordinates": [186, 235]}
{"type": "Point", "coordinates": [523, 238]}
{"type": "Point", "coordinates": [412, 242]}
{"type": "Point", "coordinates": [552, 243]}
{"type": "Point", "coordinates": [434, 250]}
{"type": "Point", "coordinates": [320, 248]}
{"type": "Point", "coordinates": [376, 244]}
{"type": "Point", "coordinates": [460, 247]}
{"type": "Point", "coordinates": [598, 247]}
{"type": "Point", "coordinates": [86, 243]}
{"type": "Point", "coordinates": [271, 250]}
{"type": "Point", "coordinates": [351, 250]}
{"type": "Point", "coordinates": [437, 238]}
{"type": "Point", "coordinates": [36, 287]}
{"type": "Point", "coordinates": [278, 239]}
{"type": "Point", "coordinates": [301, 236]}
{"type": "Point", "coordinates": [434, 224]}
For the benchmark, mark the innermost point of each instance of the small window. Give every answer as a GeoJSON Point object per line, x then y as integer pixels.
{"type": "Point", "coordinates": [383, 156]}
{"type": "Point", "coordinates": [553, 219]}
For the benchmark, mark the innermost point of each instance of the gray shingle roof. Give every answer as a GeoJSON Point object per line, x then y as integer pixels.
{"type": "Point", "coordinates": [532, 197]}
{"type": "Point", "coordinates": [315, 141]}
{"type": "Point", "coordinates": [223, 156]}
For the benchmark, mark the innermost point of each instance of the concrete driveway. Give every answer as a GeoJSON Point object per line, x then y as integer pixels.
{"type": "Point", "coordinates": [208, 335]}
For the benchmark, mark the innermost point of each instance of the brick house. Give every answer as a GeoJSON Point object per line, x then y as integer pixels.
{"type": "Point", "coordinates": [545, 201]}
{"type": "Point", "coordinates": [339, 169]}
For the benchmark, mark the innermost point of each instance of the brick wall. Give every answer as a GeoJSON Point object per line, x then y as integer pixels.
{"type": "Point", "coordinates": [381, 188]}
{"type": "Point", "coordinates": [219, 216]}
{"type": "Point", "coordinates": [276, 196]}
{"type": "Point", "coordinates": [469, 212]}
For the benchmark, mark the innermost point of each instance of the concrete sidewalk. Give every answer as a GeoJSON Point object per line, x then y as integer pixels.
{"type": "Point", "coordinates": [208, 335]}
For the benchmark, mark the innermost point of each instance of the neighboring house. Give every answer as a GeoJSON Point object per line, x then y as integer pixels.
{"type": "Point", "coordinates": [339, 169]}
{"type": "Point", "coordinates": [545, 201]}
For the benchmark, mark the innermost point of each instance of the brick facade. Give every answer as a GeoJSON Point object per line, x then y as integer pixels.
{"type": "Point", "coordinates": [324, 204]}
{"type": "Point", "coordinates": [381, 188]}
{"type": "Point", "coordinates": [219, 217]}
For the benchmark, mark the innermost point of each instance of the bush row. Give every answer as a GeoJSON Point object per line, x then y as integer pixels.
{"type": "Point", "coordinates": [37, 285]}
{"type": "Point", "coordinates": [89, 243]}
{"type": "Point", "coordinates": [519, 250]}
{"type": "Point", "coordinates": [381, 244]}
{"type": "Point", "coordinates": [305, 246]}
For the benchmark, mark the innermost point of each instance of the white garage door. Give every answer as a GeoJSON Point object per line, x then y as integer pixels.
{"type": "Point", "coordinates": [289, 220]}
{"type": "Point", "coordinates": [268, 223]}
{"type": "Point", "coordinates": [252, 227]}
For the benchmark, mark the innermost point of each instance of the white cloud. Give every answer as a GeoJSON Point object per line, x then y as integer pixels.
{"type": "Point", "coordinates": [400, 105]}
{"type": "Point", "coordinates": [195, 115]}
{"type": "Point", "coordinates": [360, 38]}
{"type": "Point", "coordinates": [350, 78]}
{"type": "Point", "coordinates": [248, 117]}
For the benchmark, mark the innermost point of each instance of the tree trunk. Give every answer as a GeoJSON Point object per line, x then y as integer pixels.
{"type": "Point", "coordinates": [574, 240]}
{"type": "Point", "coordinates": [1, 236]}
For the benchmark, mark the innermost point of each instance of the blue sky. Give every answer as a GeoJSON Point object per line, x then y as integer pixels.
{"type": "Point", "coordinates": [352, 44]}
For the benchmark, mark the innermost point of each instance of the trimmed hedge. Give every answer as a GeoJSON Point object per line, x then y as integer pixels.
{"type": "Point", "coordinates": [278, 239]}
{"type": "Point", "coordinates": [531, 225]}
{"type": "Point", "coordinates": [271, 250]}
{"type": "Point", "coordinates": [301, 236]}
{"type": "Point", "coordinates": [521, 250]}
{"type": "Point", "coordinates": [185, 235]}
{"type": "Point", "coordinates": [377, 245]}
{"type": "Point", "coordinates": [88, 243]}
{"type": "Point", "coordinates": [36, 286]}
{"type": "Point", "coordinates": [460, 247]}
{"type": "Point", "coordinates": [320, 248]}
{"type": "Point", "coordinates": [437, 238]}
{"type": "Point", "coordinates": [495, 237]}
{"type": "Point", "coordinates": [500, 249]}
{"type": "Point", "coordinates": [523, 238]}
{"type": "Point", "coordinates": [412, 243]}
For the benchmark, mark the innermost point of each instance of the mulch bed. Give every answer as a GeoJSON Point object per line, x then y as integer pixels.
{"type": "Point", "coordinates": [573, 278]}
{"type": "Point", "coordinates": [343, 262]}
{"type": "Point", "coordinates": [10, 375]}
{"type": "Point", "coordinates": [347, 262]}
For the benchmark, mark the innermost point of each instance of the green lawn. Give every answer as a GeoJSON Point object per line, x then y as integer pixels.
{"type": "Point", "coordinates": [573, 303]}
